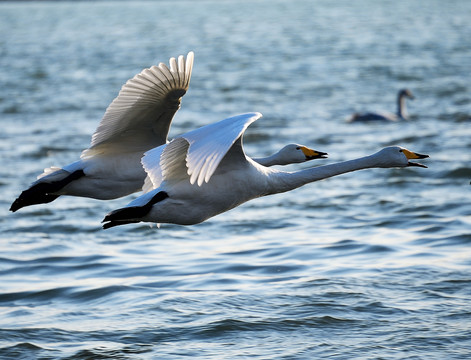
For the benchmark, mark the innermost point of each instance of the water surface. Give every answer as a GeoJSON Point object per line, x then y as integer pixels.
{"type": "Point", "coordinates": [370, 265]}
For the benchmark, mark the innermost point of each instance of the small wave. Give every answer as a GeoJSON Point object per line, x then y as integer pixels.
{"type": "Point", "coordinates": [98, 293]}
{"type": "Point", "coordinates": [457, 116]}
{"type": "Point", "coordinates": [439, 241]}
{"type": "Point", "coordinates": [88, 259]}
{"type": "Point", "coordinates": [45, 151]}
{"type": "Point", "coordinates": [12, 109]}
{"type": "Point", "coordinates": [34, 296]}
{"type": "Point", "coordinates": [460, 172]}
{"type": "Point", "coordinates": [107, 353]}
{"type": "Point", "coordinates": [226, 327]}
{"type": "Point", "coordinates": [75, 294]}
{"type": "Point", "coordinates": [23, 350]}
{"type": "Point", "coordinates": [377, 307]}
{"type": "Point", "coordinates": [51, 269]}
{"type": "Point", "coordinates": [352, 247]}
{"type": "Point", "coordinates": [450, 89]}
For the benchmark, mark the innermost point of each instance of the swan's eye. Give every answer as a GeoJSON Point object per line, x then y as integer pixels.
{"type": "Point", "coordinates": [298, 148]}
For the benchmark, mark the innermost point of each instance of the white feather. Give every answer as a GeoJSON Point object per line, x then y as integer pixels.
{"type": "Point", "coordinates": [149, 161]}
{"type": "Point", "coordinates": [48, 171]}
{"type": "Point", "coordinates": [204, 156]}
{"type": "Point", "coordinates": [196, 153]}
{"type": "Point", "coordinates": [139, 117]}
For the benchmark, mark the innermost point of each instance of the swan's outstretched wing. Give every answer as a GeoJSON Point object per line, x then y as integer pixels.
{"type": "Point", "coordinates": [209, 144]}
{"type": "Point", "coordinates": [197, 153]}
{"type": "Point", "coordinates": [139, 117]}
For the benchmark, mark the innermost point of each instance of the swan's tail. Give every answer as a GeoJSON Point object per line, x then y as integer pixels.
{"type": "Point", "coordinates": [43, 191]}
{"type": "Point", "coordinates": [36, 194]}
{"type": "Point", "coordinates": [131, 214]}
{"type": "Point", "coordinates": [127, 215]}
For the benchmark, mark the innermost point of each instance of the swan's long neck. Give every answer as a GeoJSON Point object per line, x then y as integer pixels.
{"type": "Point", "coordinates": [401, 106]}
{"type": "Point", "coordinates": [286, 181]}
{"type": "Point", "coordinates": [270, 160]}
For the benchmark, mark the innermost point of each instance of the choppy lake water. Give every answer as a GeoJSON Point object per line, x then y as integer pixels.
{"type": "Point", "coordinates": [371, 265]}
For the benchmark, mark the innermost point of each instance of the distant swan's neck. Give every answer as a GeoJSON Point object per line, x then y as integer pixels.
{"type": "Point", "coordinates": [286, 181]}
{"type": "Point", "coordinates": [401, 107]}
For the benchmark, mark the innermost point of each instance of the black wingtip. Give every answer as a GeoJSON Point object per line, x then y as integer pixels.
{"type": "Point", "coordinates": [42, 192]}
{"type": "Point", "coordinates": [131, 214]}
{"type": "Point", "coordinates": [31, 197]}
{"type": "Point", "coordinates": [15, 206]}
{"type": "Point", "coordinates": [111, 224]}
{"type": "Point", "coordinates": [127, 215]}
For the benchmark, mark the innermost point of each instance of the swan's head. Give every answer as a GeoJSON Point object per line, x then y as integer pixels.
{"type": "Point", "coordinates": [396, 156]}
{"type": "Point", "coordinates": [295, 153]}
{"type": "Point", "coordinates": [406, 93]}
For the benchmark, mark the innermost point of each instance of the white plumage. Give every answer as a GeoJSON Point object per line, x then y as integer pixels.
{"type": "Point", "coordinates": [137, 120]}
{"type": "Point", "coordinates": [205, 172]}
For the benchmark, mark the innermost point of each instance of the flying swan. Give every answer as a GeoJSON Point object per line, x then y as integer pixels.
{"type": "Point", "coordinates": [401, 113]}
{"type": "Point", "coordinates": [205, 172]}
{"type": "Point", "coordinates": [137, 120]}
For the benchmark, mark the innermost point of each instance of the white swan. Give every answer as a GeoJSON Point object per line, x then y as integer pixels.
{"type": "Point", "coordinates": [137, 120]}
{"type": "Point", "coordinates": [401, 113]}
{"type": "Point", "coordinates": [205, 172]}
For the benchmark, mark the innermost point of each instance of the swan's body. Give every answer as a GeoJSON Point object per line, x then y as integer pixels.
{"type": "Point", "coordinates": [401, 113]}
{"type": "Point", "coordinates": [197, 175]}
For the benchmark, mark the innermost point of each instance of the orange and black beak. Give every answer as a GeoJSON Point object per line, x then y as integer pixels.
{"type": "Point", "coordinates": [313, 154]}
{"type": "Point", "coordinates": [412, 155]}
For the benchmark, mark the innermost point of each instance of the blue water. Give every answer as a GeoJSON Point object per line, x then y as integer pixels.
{"type": "Point", "coordinates": [371, 265]}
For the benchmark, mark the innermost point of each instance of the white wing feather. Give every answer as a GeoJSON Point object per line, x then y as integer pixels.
{"type": "Point", "coordinates": [148, 185]}
{"type": "Point", "coordinates": [151, 163]}
{"type": "Point", "coordinates": [197, 153]}
{"type": "Point", "coordinates": [140, 116]}
{"type": "Point", "coordinates": [209, 144]}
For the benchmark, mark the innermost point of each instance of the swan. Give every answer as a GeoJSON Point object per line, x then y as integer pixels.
{"type": "Point", "coordinates": [205, 172]}
{"type": "Point", "coordinates": [137, 120]}
{"type": "Point", "coordinates": [401, 113]}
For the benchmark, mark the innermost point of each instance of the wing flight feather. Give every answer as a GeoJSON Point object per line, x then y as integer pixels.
{"type": "Point", "coordinates": [140, 116]}
{"type": "Point", "coordinates": [197, 153]}
{"type": "Point", "coordinates": [209, 144]}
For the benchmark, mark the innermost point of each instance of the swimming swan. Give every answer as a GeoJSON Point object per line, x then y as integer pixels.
{"type": "Point", "coordinates": [401, 113]}
{"type": "Point", "coordinates": [205, 172]}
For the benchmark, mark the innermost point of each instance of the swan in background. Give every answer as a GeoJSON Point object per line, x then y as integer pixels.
{"type": "Point", "coordinates": [205, 172]}
{"type": "Point", "coordinates": [401, 113]}
{"type": "Point", "coordinates": [137, 120]}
